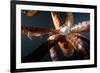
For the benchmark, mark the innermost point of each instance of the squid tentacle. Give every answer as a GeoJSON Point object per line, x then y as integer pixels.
{"type": "Point", "coordinates": [33, 31]}
{"type": "Point", "coordinates": [83, 38]}
{"type": "Point", "coordinates": [69, 19]}
{"type": "Point", "coordinates": [53, 53]}
{"type": "Point", "coordinates": [81, 27]}
{"type": "Point", "coordinates": [78, 46]}
{"type": "Point", "coordinates": [29, 12]}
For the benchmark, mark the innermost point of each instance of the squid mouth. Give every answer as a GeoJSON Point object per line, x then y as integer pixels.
{"type": "Point", "coordinates": [64, 30]}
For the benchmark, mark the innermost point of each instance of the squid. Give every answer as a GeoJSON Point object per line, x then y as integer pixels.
{"type": "Point", "coordinates": [64, 34]}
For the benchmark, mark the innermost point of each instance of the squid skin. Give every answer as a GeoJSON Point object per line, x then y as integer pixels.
{"type": "Point", "coordinates": [34, 31]}
{"type": "Point", "coordinates": [82, 49]}
{"type": "Point", "coordinates": [81, 27]}
{"type": "Point", "coordinates": [69, 19]}
{"type": "Point", "coordinates": [30, 12]}
{"type": "Point", "coordinates": [84, 52]}
{"type": "Point", "coordinates": [56, 20]}
{"type": "Point", "coordinates": [53, 54]}
{"type": "Point", "coordinates": [83, 38]}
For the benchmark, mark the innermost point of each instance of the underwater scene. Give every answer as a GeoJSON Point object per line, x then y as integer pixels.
{"type": "Point", "coordinates": [54, 36]}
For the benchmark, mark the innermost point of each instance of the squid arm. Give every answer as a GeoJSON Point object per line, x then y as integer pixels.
{"type": "Point", "coordinates": [33, 31]}
{"type": "Point", "coordinates": [81, 27]}
{"type": "Point", "coordinates": [83, 52]}
{"type": "Point", "coordinates": [56, 20]}
{"type": "Point", "coordinates": [69, 19]}
{"type": "Point", "coordinates": [53, 54]}
{"type": "Point", "coordinates": [29, 12]}
{"type": "Point", "coordinates": [83, 38]}
{"type": "Point", "coordinates": [81, 49]}
{"type": "Point", "coordinates": [40, 52]}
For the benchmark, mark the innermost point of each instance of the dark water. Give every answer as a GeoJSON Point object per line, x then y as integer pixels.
{"type": "Point", "coordinates": [43, 19]}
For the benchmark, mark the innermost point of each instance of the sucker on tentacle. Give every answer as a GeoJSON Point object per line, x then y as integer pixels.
{"type": "Point", "coordinates": [34, 31]}
{"type": "Point", "coordinates": [81, 27]}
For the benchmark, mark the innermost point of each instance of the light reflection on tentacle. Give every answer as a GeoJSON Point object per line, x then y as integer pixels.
{"type": "Point", "coordinates": [33, 31]}
{"type": "Point", "coordinates": [69, 19]}
{"type": "Point", "coordinates": [81, 27]}
{"type": "Point", "coordinates": [56, 20]}
{"type": "Point", "coordinates": [53, 54]}
{"type": "Point", "coordinates": [29, 35]}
